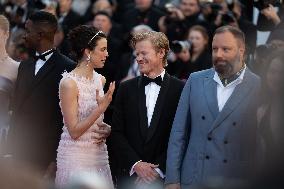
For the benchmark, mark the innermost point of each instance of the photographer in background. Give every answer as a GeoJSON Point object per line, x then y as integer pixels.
{"type": "Point", "coordinates": [201, 58]}
{"type": "Point", "coordinates": [179, 62]}
{"type": "Point", "coordinates": [274, 17]}
{"type": "Point", "coordinates": [192, 55]}
{"type": "Point", "coordinates": [232, 15]}
{"type": "Point", "coordinates": [180, 18]}
{"type": "Point", "coordinates": [143, 12]}
{"type": "Point", "coordinates": [270, 15]}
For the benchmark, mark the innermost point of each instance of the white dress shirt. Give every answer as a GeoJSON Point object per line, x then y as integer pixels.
{"type": "Point", "coordinates": [224, 92]}
{"type": "Point", "coordinates": [152, 92]}
{"type": "Point", "coordinates": [40, 62]}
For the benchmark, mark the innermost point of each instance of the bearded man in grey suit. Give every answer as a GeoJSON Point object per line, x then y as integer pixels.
{"type": "Point", "coordinates": [214, 130]}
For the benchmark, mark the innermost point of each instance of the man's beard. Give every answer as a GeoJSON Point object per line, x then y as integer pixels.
{"type": "Point", "coordinates": [226, 68]}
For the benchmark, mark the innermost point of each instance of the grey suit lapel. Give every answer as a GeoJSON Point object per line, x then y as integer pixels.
{"type": "Point", "coordinates": [210, 91]}
{"type": "Point", "coordinates": [240, 92]}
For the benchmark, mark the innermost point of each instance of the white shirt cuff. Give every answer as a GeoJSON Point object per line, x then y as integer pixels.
{"type": "Point", "coordinates": [132, 168]}
{"type": "Point", "coordinates": [160, 173]}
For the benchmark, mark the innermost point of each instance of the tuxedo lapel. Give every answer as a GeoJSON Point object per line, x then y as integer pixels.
{"type": "Point", "coordinates": [158, 107]}
{"type": "Point", "coordinates": [45, 69]}
{"type": "Point", "coordinates": [240, 92]}
{"type": "Point", "coordinates": [142, 108]}
{"type": "Point", "coordinates": [210, 92]}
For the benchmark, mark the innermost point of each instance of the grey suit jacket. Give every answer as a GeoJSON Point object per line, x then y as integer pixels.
{"type": "Point", "coordinates": [205, 143]}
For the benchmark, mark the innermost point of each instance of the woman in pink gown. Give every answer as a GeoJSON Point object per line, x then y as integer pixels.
{"type": "Point", "coordinates": [82, 148]}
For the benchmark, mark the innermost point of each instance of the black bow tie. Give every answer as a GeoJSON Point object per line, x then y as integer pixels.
{"type": "Point", "coordinates": [147, 80]}
{"type": "Point", "coordinates": [42, 56]}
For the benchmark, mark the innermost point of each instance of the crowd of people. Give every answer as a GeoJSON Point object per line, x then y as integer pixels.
{"type": "Point", "coordinates": [141, 94]}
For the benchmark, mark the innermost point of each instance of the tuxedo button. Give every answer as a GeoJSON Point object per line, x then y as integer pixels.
{"type": "Point", "coordinates": [234, 123]}
{"type": "Point", "coordinates": [207, 157]}
{"type": "Point", "coordinates": [225, 142]}
{"type": "Point", "coordinates": [209, 138]}
{"type": "Point", "coordinates": [225, 161]}
{"type": "Point", "coordinates": [203, 117]}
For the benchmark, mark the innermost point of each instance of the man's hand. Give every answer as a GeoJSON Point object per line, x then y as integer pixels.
{"type": "Point", "coordinates": [146, 172]}
{"type": "Point", "coordinates": [104, 129]}
{"type": "Point", "coordinates": [101, 132]}
{"type": "Point", "coordinates": [271, 14]}
{"type": "Point", "coordinates": [173, 186]}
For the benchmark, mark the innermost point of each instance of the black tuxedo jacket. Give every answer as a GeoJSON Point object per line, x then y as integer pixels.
{"type": "Point", "coordinates": [37, 120]}
{"type": "Point", "coordinates": [131, 138]}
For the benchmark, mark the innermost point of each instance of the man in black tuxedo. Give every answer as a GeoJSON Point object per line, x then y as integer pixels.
{"type": "Point", "coordinates": [144, 110]}
{"type": "Point", "coordinates": [37, 120]}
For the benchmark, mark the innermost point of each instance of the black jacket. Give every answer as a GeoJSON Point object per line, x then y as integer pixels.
{"type": "Point", "coordinates": [37, 120]}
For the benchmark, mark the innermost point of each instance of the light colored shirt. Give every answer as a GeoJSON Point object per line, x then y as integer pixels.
{"type": "Point", "coordinates": [61, 17]}
{"type": "Point", "coordinates": [224, 93]}
{"type": "Point", "coordinates": [152, 91]}
{"type": "Point", "coordinates": [40, 62]}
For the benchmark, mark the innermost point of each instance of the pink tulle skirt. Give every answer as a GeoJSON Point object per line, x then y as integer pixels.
{"type": "Point", "coordinates": [82, 156]}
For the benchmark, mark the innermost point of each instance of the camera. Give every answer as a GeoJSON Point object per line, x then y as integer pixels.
{"type": "Point", "coordinates": [169, 8]}
{"type": "Point", "coordinates": [179, 46]}
{"type": "Point", "coordinates": [228, 18]}
{"type": "Point", "coordinates": [262, 4]}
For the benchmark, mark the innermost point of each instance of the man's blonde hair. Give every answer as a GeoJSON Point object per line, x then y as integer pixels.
{"type": "Point", "coordinates": [158, 39]}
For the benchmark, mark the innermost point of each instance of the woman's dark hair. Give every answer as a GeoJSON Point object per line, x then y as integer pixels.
{"type": "Point", "coordinates": [84, 37]}
{"type": "Point", "coordinates": [277, 54]}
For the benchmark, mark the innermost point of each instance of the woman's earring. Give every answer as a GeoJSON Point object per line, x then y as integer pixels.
{"type": "Point", "coordinates": [88, 59]}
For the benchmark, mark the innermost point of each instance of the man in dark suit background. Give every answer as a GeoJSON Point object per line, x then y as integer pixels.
{"type": "Point", "coordinates": [143, 12]}
{"type": "Point", "coordinates": [37, 119]}
{"type": "Point", "coordinates": [144, 109]}
{"type": "Point", "coordinates": [67, 19]}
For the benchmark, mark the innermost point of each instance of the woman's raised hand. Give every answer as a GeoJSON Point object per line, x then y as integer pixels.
{"type": "Point", "coordinates": [105, 100]}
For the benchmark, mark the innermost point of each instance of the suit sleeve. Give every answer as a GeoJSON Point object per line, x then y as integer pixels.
{"type": "Point", "coordinates": [122, 149]}
{"type": "Point", "coordinates": [179, 137]}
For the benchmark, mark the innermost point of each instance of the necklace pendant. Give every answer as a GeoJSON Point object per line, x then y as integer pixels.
{"type": "Point", "coordinates": [226, 82]}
